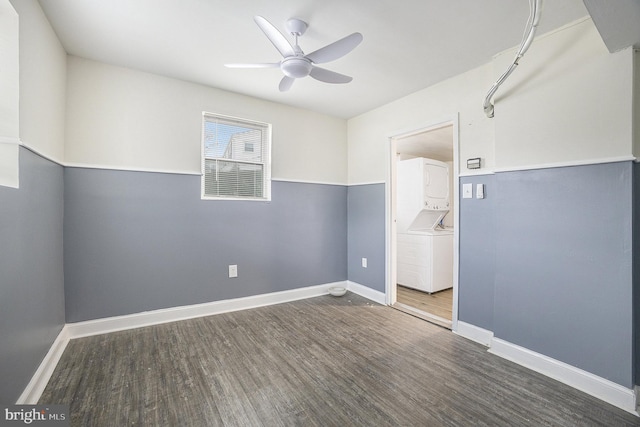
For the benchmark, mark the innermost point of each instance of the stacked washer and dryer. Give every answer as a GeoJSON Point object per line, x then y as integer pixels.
{"type": "Point", "coordinates": [425, 246]}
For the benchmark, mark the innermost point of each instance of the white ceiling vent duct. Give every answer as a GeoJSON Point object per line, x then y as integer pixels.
{"type": "Point", "coordinates": [535, 9]}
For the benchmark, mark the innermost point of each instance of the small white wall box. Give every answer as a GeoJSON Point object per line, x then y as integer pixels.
{"type": "Point", "coordinates": [473, 163]}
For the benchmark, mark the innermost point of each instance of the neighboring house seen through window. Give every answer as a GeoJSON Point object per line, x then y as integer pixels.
{"type": "Point", "coordinates": [235, 158]}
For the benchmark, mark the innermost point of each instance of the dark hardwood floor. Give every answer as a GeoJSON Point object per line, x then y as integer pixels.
{"type": "Point", "coordinates": [324, 361]}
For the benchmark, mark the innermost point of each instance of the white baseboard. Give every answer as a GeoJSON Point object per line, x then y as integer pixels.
{"type": "Point", "coordinates": [587, 382]}
{"type": "Point", "coordinates": [474, 333]}
{"type": "Point", "coordinates": [367, 292]}
{"type": "Point", "coordinates": [166, 315]}
{"type": "Point", "coordinates": [36, 386]}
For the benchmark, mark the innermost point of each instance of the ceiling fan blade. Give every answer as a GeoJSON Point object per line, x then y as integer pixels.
{"type": "Point", "coordinates": [329, 76]}
{"type": "Point", "coordinates": [279, 41]}
{"type": "Point", "coordinates": [264, 65]}
{"type": "Point", "coordinates": [335, 50]}
{"type": "Point", "coordinates": [285, 83]}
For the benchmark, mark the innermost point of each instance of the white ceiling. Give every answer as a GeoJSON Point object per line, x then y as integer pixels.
{"type": "Point", "coordinates": [408, 44]}
{"type": "Point", "coordinates": [434, 144]}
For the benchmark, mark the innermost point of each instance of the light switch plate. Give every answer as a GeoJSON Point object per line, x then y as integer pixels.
{"type": "Point", "coordinates": [233, 271]}
{"type": "Point", "coordinates": [467, 191]}
{"type": "Point", "coordinates": [480, 191]}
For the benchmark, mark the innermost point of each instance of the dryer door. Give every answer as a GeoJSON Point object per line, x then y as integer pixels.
{"type": "Point", "coordinates": [436, 186]}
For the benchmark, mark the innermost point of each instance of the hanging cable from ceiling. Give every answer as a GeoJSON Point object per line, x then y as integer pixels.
{"type": "Point", "coordinates": [535, 10]}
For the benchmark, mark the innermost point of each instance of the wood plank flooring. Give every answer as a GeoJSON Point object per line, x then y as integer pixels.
{"type": "Point", "coordinates": [323, 361]}
{"type": "Point", "coordinates": [439, 303]}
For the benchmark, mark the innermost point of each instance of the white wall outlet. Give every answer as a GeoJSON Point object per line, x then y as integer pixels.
{"type": "Point", "coordinates": [467, 191]}
{"type": "Point", "coordinates": [364, 262]}
{"type": "Point", "coordinates": [233, 271]}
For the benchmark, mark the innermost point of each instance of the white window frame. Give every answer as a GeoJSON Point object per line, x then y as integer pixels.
{"type": "Point", "coordinates": [266, 161]}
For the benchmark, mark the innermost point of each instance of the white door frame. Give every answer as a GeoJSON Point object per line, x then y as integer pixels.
{"type": "Point", "coordinates": [390, 210]}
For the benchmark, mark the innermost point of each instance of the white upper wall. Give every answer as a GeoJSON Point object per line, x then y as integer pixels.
{"type": "Point", "coordinates": [569, 100]}
{"type": "Point", "coordinates": [461, 95]}
{"type": "Point", "coordinates": [10, 75]}
{"type": "Point", "coordinates": [9, 98]}
{"type": "Point", "coordinates": [125, 119]}
{"type": "Point", "coordinates": [42, 82]}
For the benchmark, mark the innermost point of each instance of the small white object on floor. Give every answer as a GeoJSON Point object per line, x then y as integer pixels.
{"type": "Point", "coordinates": [337, 291]}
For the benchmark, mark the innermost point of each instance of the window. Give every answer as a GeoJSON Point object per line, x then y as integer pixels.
{"type": "Point", "coordinates": [235, 158]}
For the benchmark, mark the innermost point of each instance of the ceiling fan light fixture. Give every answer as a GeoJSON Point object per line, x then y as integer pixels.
{"type": "Point", "coordinates": [296, 67]}
{"type": "Point", "coordinates": [295, 64]}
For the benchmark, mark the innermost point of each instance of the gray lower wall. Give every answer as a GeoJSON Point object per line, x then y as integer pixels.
{"type": "Point", "coordinates": [476, 276]}
{"type": "Point", "coordinates": [564, 265]}
{"type": "Point", "coordinates": [546, 263]}
{"type": "Point", "coordinates": [636, 272]}
{"type": "Point", "coordinates": [31, 275]}
{"type": "Point", "coordinates": [366, 224]}
{"type": "Point", "coordinates": [137, 241]}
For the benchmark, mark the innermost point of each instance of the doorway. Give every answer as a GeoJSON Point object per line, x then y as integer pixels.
{"type": "Point", "coordinates": [436, 144]}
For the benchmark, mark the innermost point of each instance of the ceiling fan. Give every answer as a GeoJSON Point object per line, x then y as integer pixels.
{"type": "Point", "coordinates": [295, 64]}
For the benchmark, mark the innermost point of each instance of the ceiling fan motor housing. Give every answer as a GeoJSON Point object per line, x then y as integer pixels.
{"type": "Point", "coordinates": [296, 66]}
{"type": "Point", "coordinates": [296, 27]}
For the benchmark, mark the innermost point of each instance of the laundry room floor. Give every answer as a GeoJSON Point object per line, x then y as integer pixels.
{"type": "Point", "coordinates": [439, 303]}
